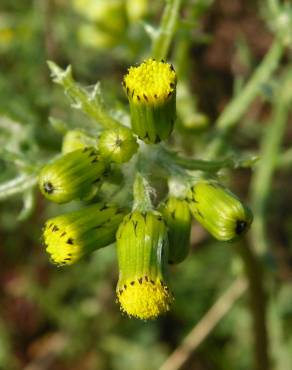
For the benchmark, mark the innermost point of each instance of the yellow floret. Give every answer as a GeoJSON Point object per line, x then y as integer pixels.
{"type": "Point", "coordinates": [61, 244]}
{"type": "Point", "coordinates": [151, 82]}
{"type": "Point", "coordinates": [145, 299]}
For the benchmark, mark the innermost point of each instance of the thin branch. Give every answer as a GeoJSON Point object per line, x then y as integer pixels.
{"type": "Point", "coordinates": [162, 40]}
{"type": "Point", "coordinates": [238, 106]}
{"type": "Point", "coordinates": [270, 148]}
{"type": "Point", "coordinates": [17, 186]}
{"type": "Point", "coordinates": [258, 306]}
{"type": "Point", "coordinates": [204, 327]}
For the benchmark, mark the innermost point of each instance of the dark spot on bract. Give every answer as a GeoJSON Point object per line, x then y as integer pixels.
{"type": "Point", "coordinates": [157, 139]}
{"type": "Point", "coordinates": [240, 227]}
{"type": "Point", "coordinates": [70, 241]}
{"type": "Point", "coordinates": [132, 282]}
{"type": "Point", "coordinates": [55, 228]}
{"type": "Point", "coordinates": [48, 187]}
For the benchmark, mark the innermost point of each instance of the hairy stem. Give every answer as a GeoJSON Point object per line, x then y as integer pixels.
{"type": "Point", "coordinates": [88, 103]}
{"type": "Point", "coordinates": [142, 199]}
{"type": "Point", "coordinates": [17, 186]}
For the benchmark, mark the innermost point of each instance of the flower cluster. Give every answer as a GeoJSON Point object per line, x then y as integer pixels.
{"type": "Point", "coordinates": [148, 238]}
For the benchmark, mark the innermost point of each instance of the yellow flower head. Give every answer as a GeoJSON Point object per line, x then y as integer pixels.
{"type": "Point", "coordinates": [151, 91]}
{"type": "Point", "coordinates": [68, 237]}
{"type": "Point", "coordinates": [152, 82]}
{"type": "Point", "coordinates": [145, 299]}
{"type": "Point", "coordinates": [142, 255]}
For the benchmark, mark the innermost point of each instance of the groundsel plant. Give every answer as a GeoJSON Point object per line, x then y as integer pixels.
{"type": "Point", "coordinates": [110, 171]}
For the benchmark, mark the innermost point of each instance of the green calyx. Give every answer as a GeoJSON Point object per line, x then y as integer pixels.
{"type": "Point", "coordinates": [75, 175]}
{"type": "Point", "coordinates": [218, 210]}
{"type": "Point", "coordinates": [178, 219]}
{"type": "Point", "coordinates": [76, 139]}
{"type": "Point", "coordinates": [68, 237]}
{"type": "Point", "coordinates": [142, 248]}
{"type": "Point", "coordinates": [153, 123]}
{"type": "Point", "coordinates": [117, 145]}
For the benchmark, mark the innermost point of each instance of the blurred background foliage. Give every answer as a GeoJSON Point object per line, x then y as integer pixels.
{"type": "Point", "coordinates": [53, 318]}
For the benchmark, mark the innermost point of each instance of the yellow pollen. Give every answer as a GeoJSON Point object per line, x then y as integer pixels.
{"type": "Point", "coordinates": [152, 82]}
{"type": "Point", "coordinates": [145, 300]}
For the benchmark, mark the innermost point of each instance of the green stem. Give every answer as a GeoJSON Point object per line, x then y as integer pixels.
{"type": "Point", "coordinates": [270, 151]}
{"type": "Point", "coordinates": [89, 103]}
{"type": "Point", "coordinates": [162, 41]}
{"type": "Point", "coordinates": [142, 199]}
{"type": "Point", "coordinates": [213, 166]}
{"type": "Point", "coordinates": [238, 106]}
{"type": "Point", "coordinates": [258, 305]}
{"type": "Point", "coordinates": [206, 165]}
{"type": "Point", "coordinates": [17, 186]}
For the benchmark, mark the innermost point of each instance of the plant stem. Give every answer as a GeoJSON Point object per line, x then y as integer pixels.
{"type": "Point", "coordinates": [258, 305]}
{"type": "Point", "coordinates": [205, 165]}
{"type": "Point", "coordinates": [89, 103]}
{"type": "Point", "coordinates": [270, 152]}
{"type": "Point", "coordinates": [162, 41]}
{"type": "Point", "coordinates": [17, 186]}
{"type": "Point", "coordinates": [214, 166]}
{"type": "Point", "coordinates": [239, 104]}
{"type": "Point", "coordinates": [142, 199]}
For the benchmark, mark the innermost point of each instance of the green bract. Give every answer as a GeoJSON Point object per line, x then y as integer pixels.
{"type": "Point", "coordinates": [117, 145]}
{"type": "Point", "coordinates": [218, 210]}
{"type": "Point", "coordinates": [75, 175]}
{"type": "Point", "coordinates": [68, 237]}
{"type": "Point", "coordinates": [178, 218]}
{"type": "Point", "coordinates": [76, 139]}
{"type": "Point", "coordinates": [142, 248]}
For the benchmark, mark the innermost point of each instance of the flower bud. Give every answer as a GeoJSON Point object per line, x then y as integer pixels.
{"type": "Point", "coordinates": [142, 256]}
{"type": "Point", "coordinates": [151, 90]}
{"type": "Point", "coordinates": [117, 145]}
{"type": "Point", "coordinates": [76, 139]}
{"type": "Point", "coordinates": [68, 237]}
{"type": "Point", "coordinates": [178, 219]}
{"type": "Point", "coordinates": [72, 176]}
{"type": "Point", "coordinates": [218, 210]}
